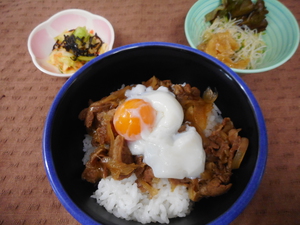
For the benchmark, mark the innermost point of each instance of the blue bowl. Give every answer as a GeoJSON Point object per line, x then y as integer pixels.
{"type": "Point", "coordinates": [132, 64]}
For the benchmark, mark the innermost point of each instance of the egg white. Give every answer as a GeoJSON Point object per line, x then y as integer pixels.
{"type": "Point", "coordinates": [170, 154]}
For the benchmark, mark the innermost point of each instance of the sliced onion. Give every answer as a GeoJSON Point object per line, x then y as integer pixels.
{"type": "Point", "coordinates": [210, 96]}
{"type": "Point", "coordinates": [240, 153]}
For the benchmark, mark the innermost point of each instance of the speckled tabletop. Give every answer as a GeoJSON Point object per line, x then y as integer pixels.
{"type": "Point", "coordinates": [26, 94]}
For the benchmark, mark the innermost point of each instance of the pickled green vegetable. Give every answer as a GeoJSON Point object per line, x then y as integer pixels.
{"type": "Point", "coordinates": [251, 14]}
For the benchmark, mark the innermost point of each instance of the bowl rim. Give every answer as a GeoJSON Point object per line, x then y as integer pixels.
{"type": "Point", "coordinates": [227, 216]}
{"type": "Point", "coordinates": [245, 71]}
{"type": "Point", "coordinates": [54, 16]}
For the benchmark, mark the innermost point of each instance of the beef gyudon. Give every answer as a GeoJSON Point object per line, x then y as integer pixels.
{"type": "Point", "coordinates": [186, 148]}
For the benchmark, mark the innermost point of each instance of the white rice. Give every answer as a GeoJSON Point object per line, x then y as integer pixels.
{"type": "Point", "coordinates": [125, 200]}
{"type": "Point", "coordinates": [88, 148]}
{"type": "Point", "coordinates": [214, 119]}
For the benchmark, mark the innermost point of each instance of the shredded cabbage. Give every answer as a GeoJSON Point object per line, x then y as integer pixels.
{"type": "Point", "coordinates": [251, 43]}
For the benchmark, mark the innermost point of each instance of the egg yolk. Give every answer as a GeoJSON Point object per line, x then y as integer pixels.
{"type": "Point", "coordinates": [132, 117]}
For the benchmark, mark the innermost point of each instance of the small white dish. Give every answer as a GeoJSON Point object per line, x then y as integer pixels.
{"type": "Point", "coordinates": [41, 39]}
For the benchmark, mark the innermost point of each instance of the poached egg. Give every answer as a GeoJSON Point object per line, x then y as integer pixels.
{"type": "Point", "coordinates": [149, 120]}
